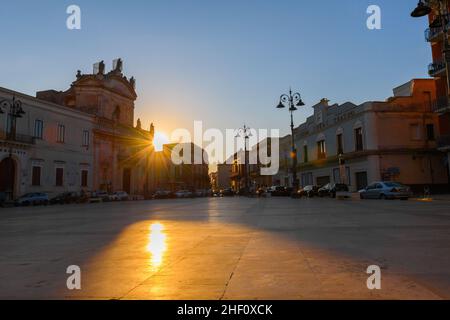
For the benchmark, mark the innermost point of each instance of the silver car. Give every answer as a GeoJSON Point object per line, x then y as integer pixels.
{"type": "Point", "coordinates": [385, 190]}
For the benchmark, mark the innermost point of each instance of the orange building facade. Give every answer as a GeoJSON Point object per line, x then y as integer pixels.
{"type": "Point", "coordinates": [437, 35]}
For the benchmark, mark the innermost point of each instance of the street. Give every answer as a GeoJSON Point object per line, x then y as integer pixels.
{"type": "Point", "coordinates": [227, 248]}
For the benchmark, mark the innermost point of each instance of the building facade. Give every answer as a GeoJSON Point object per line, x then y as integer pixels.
{"type": "Point", "coordinates": [81, 139]}
{"type": "Point", "coordinates": [358, 144]}
{"type": "Point", "coordinates": [50, 150]}
{"type": "Point", "coordinates": [187, 175]}
{"type": "Point", "coordinates": [223, 176]}
{"type": "Point", "coordinates": [439, 70]}
{"type": "Point", "coordinates": [121, 151]}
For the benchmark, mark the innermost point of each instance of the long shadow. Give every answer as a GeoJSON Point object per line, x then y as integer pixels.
{"type": "Point", "coordinates": [405, 238]}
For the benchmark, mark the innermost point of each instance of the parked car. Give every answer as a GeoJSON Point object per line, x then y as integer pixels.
{"type": "Point", "coordinates": [308, 191]}
{"type": "Point", "coordinates": [98, 196]}
{"type": "Point", "coordinates": [200, 193]}
{"type": "Point", "coordinates": [183, 194]}
{"type": "Point", "coordinates": [334, 190]}
{"type": "Point", "coordinates": [226, 192]}
{"type": "Point", "coordinates": [121, 196]}
{"type": "Point", "coordinates": [278, 191]}
{"type": "Point", "coordinates": [118, 196]}
{"type": "Point", "coordinates": [35, 198]}
{"type": "Point", "coordinates": [385, 190]}
{"type": "Point", "coordinates": [163, 194]}
{"type": "Point", "coordinates": [325, 191]}
{"type": "Point", "coordinates": [65, 198]}
{"type": "Point", "coordinates": [261, 192]}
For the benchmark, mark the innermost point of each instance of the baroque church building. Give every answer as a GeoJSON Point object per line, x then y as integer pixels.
{"type": "Point", "coordinates": [121, 150]}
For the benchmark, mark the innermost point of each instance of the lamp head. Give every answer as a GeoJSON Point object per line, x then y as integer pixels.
{"type": "Point", "coordinates": [421, 10]}
{"type": "Point", "coordinates": [280, 106]}
{"type": "Point", "coordinates": [300, 103]}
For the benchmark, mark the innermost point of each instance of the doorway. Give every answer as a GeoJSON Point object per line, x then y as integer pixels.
{"type": "Point", "coordinates": [126, 181]}
{"type": "Point", "coordinates": [7, 177]}
{"type": "Point", "coordinates": [361, 180]}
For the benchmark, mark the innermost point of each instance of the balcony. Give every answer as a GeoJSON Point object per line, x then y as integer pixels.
{"type": "Point", "coordinates": [436, 69]}
{"type": "Point", "coordinates": [441, 105]}
{"type": "Point", "coordinates": [20, 138]}
{"type": "Point", "coordinates": [434, 34]}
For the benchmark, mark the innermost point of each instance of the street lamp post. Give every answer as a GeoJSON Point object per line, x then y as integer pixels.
{"type": "Point", "coordinates": [14, 111]}
{"type": "Point", "coordinates": [423, 9]}
{"type": "Point", "coordinates": [292, 101]}
{"type": "Point", "coordinates": [245, 132]}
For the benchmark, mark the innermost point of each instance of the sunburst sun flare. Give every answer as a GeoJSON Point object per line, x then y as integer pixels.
{"type": "Point", "coordinates": [159, 140]}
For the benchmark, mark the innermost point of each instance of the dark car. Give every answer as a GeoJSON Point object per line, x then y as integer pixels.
{"type": "Point", "coordinates": [65, 198]}
{"type": "Point", "coordinates": [279, 191]}
{"type": "Point", "coordinates": [161, 194]}
{"type": "Point", "coordinates": [226, 192]}
{"type": "Point", "coordinates": [330, 190]}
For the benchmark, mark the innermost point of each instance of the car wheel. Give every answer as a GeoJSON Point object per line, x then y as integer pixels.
{"type": "Point", "coordinates": [361, 196]}
{"type": "Point", "coordinates": [382, 196]}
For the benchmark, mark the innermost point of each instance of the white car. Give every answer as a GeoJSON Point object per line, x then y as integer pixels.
{"type": "Point", "coordinates": [121, 195]}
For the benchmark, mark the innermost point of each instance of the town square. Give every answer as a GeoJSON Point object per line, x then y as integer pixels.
{"type": "Point", "coordinates": [228, 248]}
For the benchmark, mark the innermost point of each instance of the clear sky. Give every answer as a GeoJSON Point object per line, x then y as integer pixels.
{"type": "Point", "coordinates": [223, 62]}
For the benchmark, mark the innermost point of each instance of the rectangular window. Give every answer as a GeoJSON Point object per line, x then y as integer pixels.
{"type": "Point", "coordinates": [305, 154]}
{"type": "Point", "coordinates": [84, 178]}
{"type": "Point", "coordinates": [36, 176]}
{"type": "Point", "coordinates": [59, 177]}
{"type": "Point", "coordinates": [38, 129]}
{"type": "Point", "coordinates": [321, 151]}
{"type": "Point", "coordinates": [358, 140]}
{"type": "Point", "coordinates": [336, 175]}
{"type": "Point", "coordinates": [430, 132]}
{"type": "Point", "coordinates": [85, 138]}
{"type": "Point", "coordinates": [61, 133]}
{"type": "Point", "coordinates": [414, 131]}
{"type": "Point", "coordinates": [348, 176]}
{"type": "Point", "coordinates": [340, 145]}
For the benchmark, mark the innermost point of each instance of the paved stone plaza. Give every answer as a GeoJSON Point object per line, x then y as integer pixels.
{"type": "Point", "coordinates": [227, 248]}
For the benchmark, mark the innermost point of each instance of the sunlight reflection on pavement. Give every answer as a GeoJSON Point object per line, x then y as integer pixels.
{"type": "Point", "coordinates": [201, 260]}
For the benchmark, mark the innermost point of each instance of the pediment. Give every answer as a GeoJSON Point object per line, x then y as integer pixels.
{"type": "Point", "coordinates": [113, 83]}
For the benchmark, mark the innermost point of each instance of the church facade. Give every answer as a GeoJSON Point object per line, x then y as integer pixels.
{"type": "Point", "coordinates": [88, 130]}
{"type": "Point", "coordinates": [121, 151]}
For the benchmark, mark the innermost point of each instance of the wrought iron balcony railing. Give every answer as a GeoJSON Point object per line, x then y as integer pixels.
{"type": "Point", "coordinates": [22, 138]}
{"type": "Point", "coordinates": [440, 105]}
{"type": "Point", "coordinates": [436, 68]}
{"type": "Point", "coordinates": [434, 34]}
